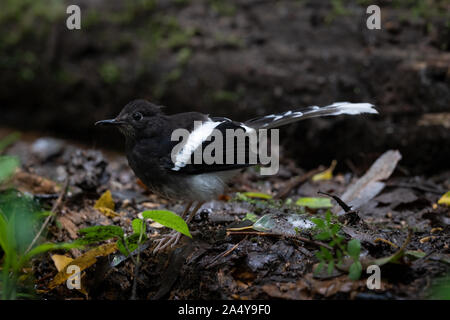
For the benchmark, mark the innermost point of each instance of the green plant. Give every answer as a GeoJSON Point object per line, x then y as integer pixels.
{"type": "Point", "coordinates": [328, 230]}
{"type": "Point", "coordinates": [127, 244]}
{"type": "Point", "coordinates": [20, 217]}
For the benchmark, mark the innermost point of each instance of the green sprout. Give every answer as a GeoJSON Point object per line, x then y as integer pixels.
{"type": "Point", "coordinates": [328, 230]}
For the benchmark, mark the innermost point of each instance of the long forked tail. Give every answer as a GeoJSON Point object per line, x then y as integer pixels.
{"type": "Point", "coordinates": [335, 109]}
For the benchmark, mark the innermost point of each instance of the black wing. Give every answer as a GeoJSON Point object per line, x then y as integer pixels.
{"type": "Point", "coordinates": [227, 147]}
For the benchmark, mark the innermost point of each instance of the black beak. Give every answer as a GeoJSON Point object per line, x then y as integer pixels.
{"type": "Point", "coordinates": [109, 122]}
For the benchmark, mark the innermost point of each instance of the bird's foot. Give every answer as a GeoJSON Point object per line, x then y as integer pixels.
{"type": "Point", "coordinates": [170, 239]}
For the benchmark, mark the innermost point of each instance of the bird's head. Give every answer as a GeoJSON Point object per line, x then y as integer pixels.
{"type": "Point", "coordinates": [136, 117]}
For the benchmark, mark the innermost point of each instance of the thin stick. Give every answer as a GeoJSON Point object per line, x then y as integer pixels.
{"type": "Point", "coordinates": [49, 218]}
{"type": "Point", "coordinates": [294, 182]}
{"type": "Point", "coordinates": [137, 265]}
{"type": "Point", "coordinates": [224, 254]}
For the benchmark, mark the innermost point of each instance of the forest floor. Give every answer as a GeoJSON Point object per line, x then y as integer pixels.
{"type": "Point", "coordinates": [401, 228]}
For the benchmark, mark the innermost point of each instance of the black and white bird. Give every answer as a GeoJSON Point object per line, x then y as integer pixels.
{"type": "Point", "coordinates": [149, 146]}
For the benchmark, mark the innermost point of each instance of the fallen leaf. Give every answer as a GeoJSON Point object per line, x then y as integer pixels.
{"type": "Point", "coordinates": [445, 199]}
{"type": "Point", "coordinates": [69, 226]}
{"type": "Point", "coordinates": [61, 261]}
{"type": "Point", "coordinates": [83, 262]}
{"type": "Point", "coordinates": [156, 225]}
{"type": "Point", "coordinates": [369, 185]}
{"type": "Point", "coordinates": [257, 195]}
{"type": "Point", "coordinates": [327, 174]}
{"type": "Point", "coordinates": [427, 239]}
{"type": "Point", "coordinates": [30, 182]}
{"type": "Point", "coordinates": [105, 204]}
{"type": "Point", "coordinates": [314, 203]}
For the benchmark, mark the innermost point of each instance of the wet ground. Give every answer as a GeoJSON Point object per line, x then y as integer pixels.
{"type": "Point", "coordinates": [225, 260]}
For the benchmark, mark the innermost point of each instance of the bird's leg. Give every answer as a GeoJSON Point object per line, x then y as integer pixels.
{"type": "Point", "coordinates": [186, 210]}
{"type": "Point", "coordinates": [193, 212]}
{"type": "Point", "coordinates": [174, 236]}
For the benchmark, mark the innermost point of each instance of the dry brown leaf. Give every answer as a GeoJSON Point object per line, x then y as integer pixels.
{"type": "Point", "coordinates": [369, 185]}
{"type": "Point", "coordinates": [30, 182]}
{"type": "Point", "coordinates": [83, 262]}
{"type": "Point", "coordinates": [69, 226]}
{"type": "Point", "coordinates": [61, 261]}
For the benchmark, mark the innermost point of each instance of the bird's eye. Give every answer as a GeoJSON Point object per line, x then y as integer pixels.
{"type": "Point", "coordinates": [137, 116]}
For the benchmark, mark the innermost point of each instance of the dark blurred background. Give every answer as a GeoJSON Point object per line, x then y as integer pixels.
{"type": "Point", "coordinates": [239, 59]}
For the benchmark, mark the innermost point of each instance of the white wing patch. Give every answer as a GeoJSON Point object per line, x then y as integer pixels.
{"type": "Point", "coordinates": [195, 139]}
{"type": "Point", "coordinates": [352, 108]}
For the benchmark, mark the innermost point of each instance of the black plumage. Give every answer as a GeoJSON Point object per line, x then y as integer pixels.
{"type": "Point", "coordinates": [148, 134]}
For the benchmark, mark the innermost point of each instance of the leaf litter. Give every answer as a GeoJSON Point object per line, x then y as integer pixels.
{"type": "Point", "coordinates": [267, 258]}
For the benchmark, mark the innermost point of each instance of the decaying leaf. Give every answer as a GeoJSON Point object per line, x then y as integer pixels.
{"type": "Point", "coordinates": [327, 174]}
{"type": "Point", "coordinates": [83, 262]}
{"type": "Point", "coordinates": [61, 261]}
{"type": "Point", "coordinates": [30, 182]}
{"type": "Point", "coordinates": [105, 204]}
{"type": "Point", "coordinates": [370, 184]}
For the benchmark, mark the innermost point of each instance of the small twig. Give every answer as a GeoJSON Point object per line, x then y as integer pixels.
{"type": "Point", "coordinates": [317, 243]}
{"type": "Point", "coordinates": [55, 207]}
{"type": "Point", "coordinates": [226, 253]}
{"type": "Point", "coordinates": [386, 241]}
{"type": "Point", "coordinates": [136, 266]}
{"type": "Point", "coordinates": [294, 182]}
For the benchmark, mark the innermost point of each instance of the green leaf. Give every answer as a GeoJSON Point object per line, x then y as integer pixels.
{"type": "Point", "coordinates": [326, 253]}
{"type": "Point", "coordinates": [330, 267]}
{"type": "Point", "coordinates": [257, 195]}
{"type": "Point", "coordinates": [325, 235]}
{"type": "Point", "coordinates": [132, 243]}
{"type": "Point", "coordinates": [7, 167]}
{"type": "Point", "coordinates": [4, 232]}
{"type": "Point", "coordinates": [319, 255]}
{"type": "Point", "coordinates": [314, 203]}
{"type": "Point", "coordinates": [415, 253]}
{"type": "Point", "coordinates": [354, 272]}
{"type": "Point", "coordinates": [335, 228]}
{"type": "Point", "coordinates": [339, 255]}
{"type": "Point", "coordinates": [318, 222]}
{"type": "Point", "coordinates": [138, 226]}
{"type": "Point", "coordinates": [169, 219]}
{"type": "Point", "coordinates": [9, 139]}
{"type": "Point", "coordinates": [99, 233]}
{"type": "Point", "coordinates": [251, 216]}
{"type": "Point", "coordinates": [319, 267]}
{"type": "Point", "coordinates": [48, 247]}
{"type": "Point", "coordinates": [328, 216]}
{"type": "Point", "coordinates": [354, 248]}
